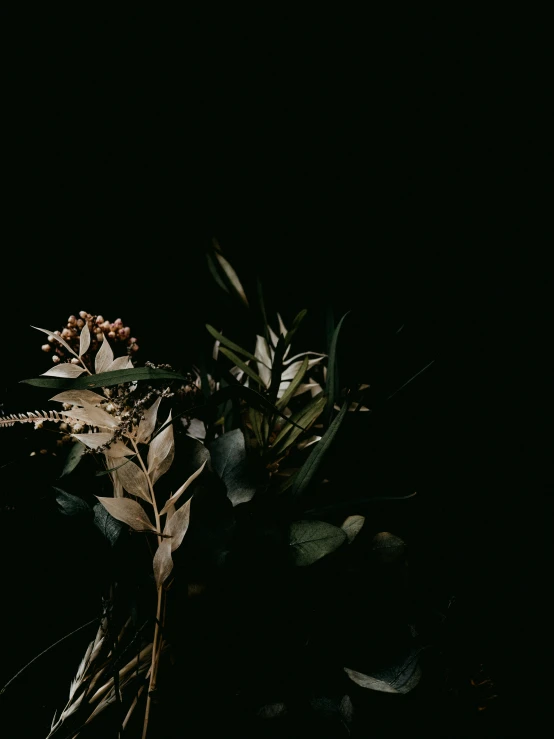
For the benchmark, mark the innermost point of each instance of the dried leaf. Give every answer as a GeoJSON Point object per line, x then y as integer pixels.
{"type": "Point", "coordinates": [119, 364]}
{"type": "Point", "coordinates": [163, 563]}
{"type": "Point", "coordinates": [64, 370]}
{"type": "Point", "coordinates": [197, 429]}
{"type": "Point", "coordinates": [397, 678]}
{"type": "Point", "coordinates": [118, 449]}
{"type": "Point", "coordinates": [232, 277]}
{"type": "Point", "coordinates": [58, 338]}
{"type": "Point", "coordinates": [148, 423]}
{"type": "Point", "coordinates": [352, 526]}
{"type": "Point", "coordinates": [111, 463]}
{"type": "Point", "coordinates": [78, 397]}
{"type": "Point", "coordinates": [175, 497]}
{"type": "Point", "coordinates": [127, 511]}
{"type": "Point", "coordinates": [388, 547]}
{"type": "Point", "coordinates": [94, 440]}
{"type": "Point", "coordinates": [104, 357]}
{"type": "Point", "coordinates": [292, 369]}
{"type": "Point", "coordinates": [134, 480]}
{"type": "Point", "coordinates": [294, 385]}
{"type": "Point", "coordinates": [161, 452]}
{"type": "Point", "coordinates": [92, 416]}
{"type": "Point", "coordinates": [84, 340]}
{"type": "Point", "coordinates": [176, 527]}
{"type": "Point", "coordinates": [304, 354]}
{"type": "Point", "coordinates": [312, 540]}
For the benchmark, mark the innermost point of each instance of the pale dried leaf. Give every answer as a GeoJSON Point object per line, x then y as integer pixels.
{"type": "Point", "coordinates": [352, 526]}
{"type": "Point", "coordinates": [84, 340]}
{"type": "Point", "coordinates": [78, 397]}
{"type": "Point", "coordinates": [161, 452]}
{"type": "Point", "coordinates": [215, 351]}
{"type": "Point", "coordinates": [292, 369]}
{"type": "Point", "coordinates": [127, 511]}
{"type": "Point", "coordinates": [233, 278]}
{"type": "Point", "coordinates": [177, 525]}
{"type": "Point", "coordinates": [134, 480]}
{"type": "Point", "coordinates": [282, 329]}
{"type": "Point", "coordinates": [104, 357]}
{"type": "Point", "coordinates": [93, 441]}
{"type": "Point", "coordinates": [118, 449]}
{"type": "Point", "coordinates": [175, 497]}
{"type": "Point", "coordinates": [313, 387]}
{"type": "Point", "coordinates": [148, 423]}
{"type": "Point", "coordinates": [64, 370]}
{"type": "Point", "coordinates": [118, 364]}
{"type": "Point", "coordinates": [309, 442]}
{"type": "Point", "coordinates": [274, 340]}
{"type": "Point", "coordinates": [163, 564]}
{"type": "Point", "coordinates": [92, 416]}
{"type": "Point", "coordinates": [305, 354]}
{"type": "Point", "coordinates": [264, 360]}
{"type": "Point", "coordinates": [58, 338]}
{"type": "Point", "coordinates": [112, 462]}
{"type": "Point", "coordinates": [197, 429]}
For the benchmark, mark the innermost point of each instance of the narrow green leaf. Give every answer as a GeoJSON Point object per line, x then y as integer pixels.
{"type": "Point", "coordinates": [215, 273]}
{"type": "Point", "coordinates": [302, 421]}
{"type": "Point", "coordinates": [277, 369]}
{"type": "Point", "coordinates": [332, 370]}
{"type": "Point", "coordinates": [228, 343]}
{"type": "Point", "coordinates": [292, 388]}
{"type": "Point", "coordinates": [256, 421]}
{"type": "Point", "coordinates": [243, 366]}
{"type": "Point", "coordinates": [73, 458]}
{"type": "Point", "coordinates": [261, 303]}
{"type": "Point", "coordinates": [312, 464]}
{"type": "Point", "coordinates": [105, 379]}
{"type": "Point", "coordinates": [295, 324]}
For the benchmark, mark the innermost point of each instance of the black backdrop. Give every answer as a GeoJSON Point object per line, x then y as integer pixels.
{"type": "Point", "coordinates": [401, 176]}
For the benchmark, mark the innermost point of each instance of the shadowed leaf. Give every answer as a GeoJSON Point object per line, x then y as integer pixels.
{"type": "Point", "coordinates": [352, 526]}
{"type": "Point", "coordinates": [73, 458]}
{"type": "Point", "coordinates": [312, 540]}
{"type": "Point", "coordinates": [400, 677]}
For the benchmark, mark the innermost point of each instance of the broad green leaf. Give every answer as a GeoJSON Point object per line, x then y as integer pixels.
{"type": "Point", "coordinates": [148, 423]}
{"type": "Point", "coordinates": [106, 379]}
{"type": "Point", "coordinates": [331, 387]}
{"type": "Point", "coordinates": [161, 452]}
{"type": "Point", "coordinates": [312, 540]}
{"type": "Point", "coordinates": [175, 497]}
{"type": "Point", "coordinates": [352, 526]}
{"type": "Point", "coordinates": [312, 464]}
{"type": "Point", "coordinates": [104, 357]}
{"type": "Point", "coordinates": [303, 419]}
{"type": "Point", "coordinates": [129, 512]}
{"type": "Point", "coordinates": [228, 343]}
{"type": "Point", "coordinates": [84, 340]}
{"type": "Point", "coordinates": [66, 370]}
{"type": "Point", "coordinates": [230, 462]}
{"type": "Point", "coordinates": [244, 367]}
{"type": "Point", "coordinates": [134, 481]}
{"type": "Point", "coordinates": [294, 385]}
{"type": "Point", "coordinates": [58, 338]}
{"type": "Point", "coordinates": [71, 505]}
{"type": "Point", "coordinates": [73, 458]}
{"type": "Point", "coordinates": [400, 677]}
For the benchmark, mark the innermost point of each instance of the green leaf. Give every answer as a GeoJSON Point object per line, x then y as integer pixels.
{"type": "Point", "coordinates": [215, 273]}
{"type": "Point", "coordinates": [106, 379]}
{"type": "Point", "coordinates": [302, 420]}
{"type": "Point", "coordinates": [228, 343]}
{"type": "Point", "coordinates": [262, 309]}
{"type": "Point", "coordinates": [107, 524]}
{"type": "Point", "coordinates": [294, 328]}
{"type": "Point", "coordinates": [71, 505]}
{"type": "Point", "coordinates": [277, 369]}
{"type": "Point", "coordinates": [243, 366]}
{"type": "Point", "coordinates": [399, 677]}
{"type": "Point", "coordinates": [312, 540]}
{"type": "Point", "coordinates": [73, 458]}
{"type": "Point", "coordinates": [256, 421]}
{"type": "Point", "coordinates": [292, 388]}
{"type": "Point", "coordinates": [331, 388]}
{"type": "Point", "coordinates": [232, 465]}
{"type": "Point", "coordinates": [312, 464]}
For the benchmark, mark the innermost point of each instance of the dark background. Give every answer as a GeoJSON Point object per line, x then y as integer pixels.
{"type": "Point", "coordinates": [399, 170]}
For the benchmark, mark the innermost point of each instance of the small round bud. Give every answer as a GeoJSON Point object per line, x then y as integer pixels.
{"type": "Point", "coordinates": [46, 347]}
{"type": "Point", "coordinates": [118, 322]}
{"type": "Point", "coordinates": [51, 339]}
{"type": "Point", "coordinates": [75, 361]}
{"type": "Point", "coordinates": [110, 408]}
{"type": "Point", "coordinates": [33, 454]}
{"type": "Point", "coordinates": [66, 333]}
{"type": "Point", "coordinates": [83, 314]}
{"type": "Point", "coordinates": [99, 320]}
{"type": "Point", "coordinates": [99, 335]}
{"type": "Point", "coordinates": [44, 451]}
{"type": "Point", "coordinates": [55, 359]}
{"type": "Point", "coordinates": [106, 325]}
{"type": "Point", "coordinates": [63, 426]}
{"type": "Point", "coordinates": [112, 335]}
{"type": "Point", "coordinates": [71, 320]}
{"type": "Point", "coordinates": [80, 322]}
{"type": "Point", "coordinates": [135, 348]}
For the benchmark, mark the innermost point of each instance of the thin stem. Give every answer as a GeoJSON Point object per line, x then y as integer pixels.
{"type": "Point", "coordinates": [155, 651]}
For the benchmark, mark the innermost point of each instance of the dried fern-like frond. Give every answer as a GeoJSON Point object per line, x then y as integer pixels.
{"type": "Point", "coordinates": [32, 417]}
